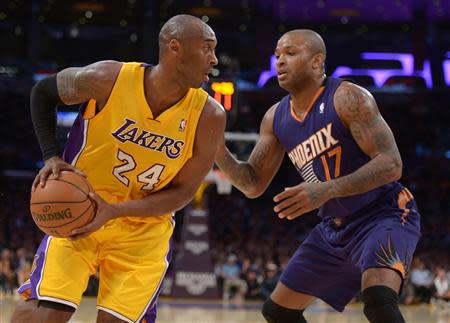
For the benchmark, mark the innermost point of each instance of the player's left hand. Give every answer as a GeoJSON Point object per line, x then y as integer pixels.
{"type": "Point", "coordinates": [300, 199]}
{"type": "Point", "coordinates": [105, 212]}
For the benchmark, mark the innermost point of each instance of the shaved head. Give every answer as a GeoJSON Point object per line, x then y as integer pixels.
{"type": "Point", "coordinates": [182, 27]}
{"type": "Point", "coordinates": [311, 39]}
{"type": "Point", "coordinates": [300, 57]}
{"type": "Point", "coordinates": [187, 49]}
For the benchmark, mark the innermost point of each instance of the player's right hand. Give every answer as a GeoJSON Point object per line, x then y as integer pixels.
{"type": "Point", "coordinates": [53, 166]}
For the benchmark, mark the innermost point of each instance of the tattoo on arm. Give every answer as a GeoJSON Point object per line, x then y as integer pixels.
{"type": "Point", "coordinates": [70, 88]}
{"type": "Point", "coordinates": [253, 176]}
{"type": "Point", "coordinates": [242, 174]}
{"type": "Point", "coordinates": [259, 155]}
{"type": "Point", "coordinates": [95, 81]}
{"type": "Point", "coordinates": [360, 114]}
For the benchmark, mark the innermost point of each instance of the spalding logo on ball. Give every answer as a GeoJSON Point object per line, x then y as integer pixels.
{"type": "Point", "coordinates": [63, 204]}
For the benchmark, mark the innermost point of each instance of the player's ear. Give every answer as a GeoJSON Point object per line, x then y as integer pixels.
{"type": "Point", "coordinates": [174, 46]}
{"type": "Point", "coordinates": [318, 60]}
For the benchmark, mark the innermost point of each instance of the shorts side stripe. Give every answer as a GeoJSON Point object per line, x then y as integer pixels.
{"type": "Point", "coordinates": [114, 313]}
{"type": "Point", "coordinates": [158, 288]}
{"type": "Point", "coordinates": [58, 300]}
{"type": "Point", "coordinates": [41, 273]}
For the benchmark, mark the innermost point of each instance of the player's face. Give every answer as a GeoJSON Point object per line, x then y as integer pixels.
{"type": "Point", "coordinates": [294, 61]}
{"type": "Point", "coordinates": [199, 58]}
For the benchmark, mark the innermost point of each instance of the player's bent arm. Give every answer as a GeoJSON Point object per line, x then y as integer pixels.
{"type": "Point", "coordinates": [358, 110]}
{"type": "Point", "coordinates": [70, 86]}
{"type": "Point", "coordinates": [253, 176]}
{"type": "Point", "coordinates": [182, 188]}
{"type": "Point", "coordinates": [95, 81]}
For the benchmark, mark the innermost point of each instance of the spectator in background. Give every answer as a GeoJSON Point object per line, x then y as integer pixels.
{"type": "Point", "coordinates": [23, 265]}
{"type": "Point", "coordinates": [422, 280]}
{"type": "Point", "coordinates": [231, 273]}
{"type": "Point", "coordinates": [441, 285]}
{"type": "Point", "coordinates": [7, 274]}
{"type": "Point", "coordinates": [253, 280]}
{"type": "Point", "coordinates": [270, 280]}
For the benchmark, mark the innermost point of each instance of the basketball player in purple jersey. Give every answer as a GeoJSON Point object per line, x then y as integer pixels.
{"type": "Point", "coordinates": [347, 156]}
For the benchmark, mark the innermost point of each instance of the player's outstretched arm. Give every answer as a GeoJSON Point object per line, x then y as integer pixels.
{"type": "Point", "coordinates": [181, 189]}
{"type": "Point", "coordinates": [358, 110]}
{"type": "Point", "coordinates": [253, 176]}
{"type": "Point", "coordinates": [70, 86]}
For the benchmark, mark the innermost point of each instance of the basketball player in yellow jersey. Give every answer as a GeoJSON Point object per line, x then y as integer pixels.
{"type": "Point", "coordinates": [145, 141]}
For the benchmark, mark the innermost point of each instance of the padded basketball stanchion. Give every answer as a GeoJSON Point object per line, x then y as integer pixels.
{"type": "Point", "coordinates": [194, 271]}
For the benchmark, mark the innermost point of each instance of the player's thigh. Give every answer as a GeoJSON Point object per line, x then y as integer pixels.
{"type": "Point", "coordinates": [134, 263]}
{"type": "Point", "coordinates": [388, 248]}
{"type": "Point", "coordinates": [286, 297]}
{"type": "Point", "coordinates": [323, 271]}
{"type": "Point", "coordinates": [61, 270]}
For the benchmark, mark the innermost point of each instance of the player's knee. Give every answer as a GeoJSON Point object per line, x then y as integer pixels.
{"type": "Point", "coordinates": [381, 305]}
{"type": "Point", "coordinates": [274, 313]}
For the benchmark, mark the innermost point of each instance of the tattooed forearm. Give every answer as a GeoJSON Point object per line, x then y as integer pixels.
{"type": "Point", "coordinates": [259, 155]}
{"type": "Point", "coordinates": [253, 176]}
{"type": "Point", "coordinates": [241, 174]}
{"type": "Point", "coordinates": [359, 112]}
{"type": "Point", "coordinates": [377, 172]}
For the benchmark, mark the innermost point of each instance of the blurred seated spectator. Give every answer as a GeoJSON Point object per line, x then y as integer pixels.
{"type": "Point", "coordinates": [7, 275]}
{"type": "Point", "coordinates": [270, 279]}
{"type": "Point", "coordinates": [422, 280]}
{"type": "Point", "coordinates": [231, 273]}
{"type": "Point", "coordinates": [441, 285]}
{"type": "Point", "coordinates": [254, 281]}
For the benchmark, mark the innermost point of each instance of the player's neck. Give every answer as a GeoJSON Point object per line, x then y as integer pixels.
{"type": "Point", "coordinates": [302, 99]}
{"type": "Point", "coordinates": [161, 92]}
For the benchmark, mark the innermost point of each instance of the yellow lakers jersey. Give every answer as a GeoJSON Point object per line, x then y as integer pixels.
{"type": "Point", "coordinates": [125, 152]}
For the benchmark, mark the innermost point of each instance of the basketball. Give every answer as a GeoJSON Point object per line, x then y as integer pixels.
{"type": "Point", "coordinates": [63, 204]}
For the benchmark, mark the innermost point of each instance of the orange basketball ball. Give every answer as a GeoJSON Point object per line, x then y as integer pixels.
{"type": "Point", "coordinates": [63, 204]}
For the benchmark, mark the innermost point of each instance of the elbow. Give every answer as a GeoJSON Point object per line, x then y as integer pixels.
{"type": "Point", "coordinates": [182, 199]}
{"type": "Point", "coordinates": [396, 169]}
{"type": "Point", "coordinates": [254, 193]}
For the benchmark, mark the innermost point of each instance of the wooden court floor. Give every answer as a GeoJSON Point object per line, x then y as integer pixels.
{"type": "Point", "coordinates": [186, 311]}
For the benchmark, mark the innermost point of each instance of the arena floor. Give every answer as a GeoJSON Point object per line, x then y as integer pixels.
{"type": "Point", "coordinates": [185, 311]}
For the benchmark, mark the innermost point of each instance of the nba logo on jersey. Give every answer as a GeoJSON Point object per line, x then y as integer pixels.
{"type": "Point", "coordinates": [321, 107]}
{"type": "Point", "coordinates": [182, 126]}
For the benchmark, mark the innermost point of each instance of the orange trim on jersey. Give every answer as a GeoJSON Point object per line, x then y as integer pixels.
{"type": "Point", "coordinates": [326, 168]}
{"type": "Point", "coordinates": [390, 258]}
{"type": "Point", "coordinates": [337, 167]}
{"type": "Point", "coordinates": [399, 267]}
{"type": "Point", "coordinates": [89, 111]}
{"type": "Point", "coordinates": [304, 114]}
{"type": "Point", "coordinates": [26, 294]}
{"type": "Point", "coordinates": [403, 198]}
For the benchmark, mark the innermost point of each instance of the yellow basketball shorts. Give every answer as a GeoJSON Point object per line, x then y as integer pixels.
{"type": "Point", "coordinates": [132, 258]}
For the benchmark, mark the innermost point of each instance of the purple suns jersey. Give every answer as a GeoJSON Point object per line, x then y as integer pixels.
{"type": "Point", "coordinates": [322, 148]}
